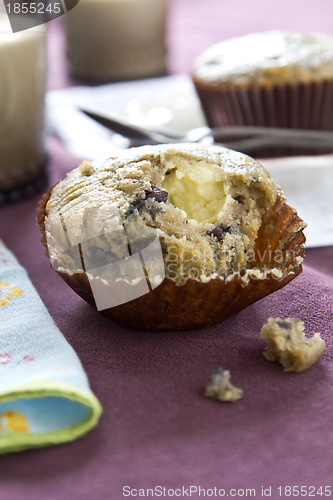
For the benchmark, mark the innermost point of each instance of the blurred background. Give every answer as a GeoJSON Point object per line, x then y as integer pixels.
{"type": "Point", "coordinates": [192, 28]}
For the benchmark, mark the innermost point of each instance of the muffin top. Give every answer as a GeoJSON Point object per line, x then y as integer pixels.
{"type": "Point", "coordinates": [273, 57]}
{"type": "Point", "coordinates": [205, 203]}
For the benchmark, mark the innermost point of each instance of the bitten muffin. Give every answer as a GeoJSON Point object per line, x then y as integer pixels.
{"type": "Point", "coordinates": [274, 79]}
{"type": "Point", "coordinates": [172, 236]}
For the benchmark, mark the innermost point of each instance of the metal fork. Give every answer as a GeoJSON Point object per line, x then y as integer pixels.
{"type": "Point", "coordinates": [245, 138]}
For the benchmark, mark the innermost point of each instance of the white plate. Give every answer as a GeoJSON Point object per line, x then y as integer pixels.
{"type": "Point", "coordinates": [168, 102]}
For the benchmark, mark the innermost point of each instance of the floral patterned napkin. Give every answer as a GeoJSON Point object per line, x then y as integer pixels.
{"type": "Point", "coordinates": [45, 397]}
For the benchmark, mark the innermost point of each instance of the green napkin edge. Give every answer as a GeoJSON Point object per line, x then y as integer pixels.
{"type": "Point", "coordinates": [19, 441]}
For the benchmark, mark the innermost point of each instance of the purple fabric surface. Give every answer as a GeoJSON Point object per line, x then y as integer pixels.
{"type": "Point", "coordinates": [157, 427]}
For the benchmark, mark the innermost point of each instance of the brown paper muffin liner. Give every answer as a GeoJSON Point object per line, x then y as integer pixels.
{"type": "Point", "coordinates": [300, 106]}
{"type": "Point", "coordinates": [197, 304]}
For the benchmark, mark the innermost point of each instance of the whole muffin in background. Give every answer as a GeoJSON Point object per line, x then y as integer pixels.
{"type": "Point", "coordinates": [274, 79]}
{"type": "Point", "coordinates": [172, 236]}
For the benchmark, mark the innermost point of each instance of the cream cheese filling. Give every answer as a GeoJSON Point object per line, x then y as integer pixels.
{"type": "Point", "coordinates": [199, 192]}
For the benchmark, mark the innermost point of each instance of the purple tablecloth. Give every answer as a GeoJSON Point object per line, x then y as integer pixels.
{"type": "Point", "coordinates": [157, 428]}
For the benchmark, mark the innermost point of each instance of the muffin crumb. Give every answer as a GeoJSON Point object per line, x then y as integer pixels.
{"type": "Point", "coordinates": [219, 387]}
{"type": "Point", "coordinates": [287, 344]}
{"type": "Point", "coordinates": [86, 168]}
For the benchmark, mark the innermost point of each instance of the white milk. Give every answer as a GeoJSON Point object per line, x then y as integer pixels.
{"type": "Point", "coordinates": [22, 91]}
{"type": "Point", "coordinates": [116, 39]}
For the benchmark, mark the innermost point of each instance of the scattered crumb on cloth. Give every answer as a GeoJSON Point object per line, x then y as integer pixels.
{"type": "Point", "coordinates": [219, 387]}
{"type": "Point", "coordinates": [287, 344]}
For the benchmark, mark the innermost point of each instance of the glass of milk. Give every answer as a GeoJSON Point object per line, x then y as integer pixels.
{"type": "Point", "coordinates": [22, 93]}
{"type": "Point", "coordinates": [111, 40]}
